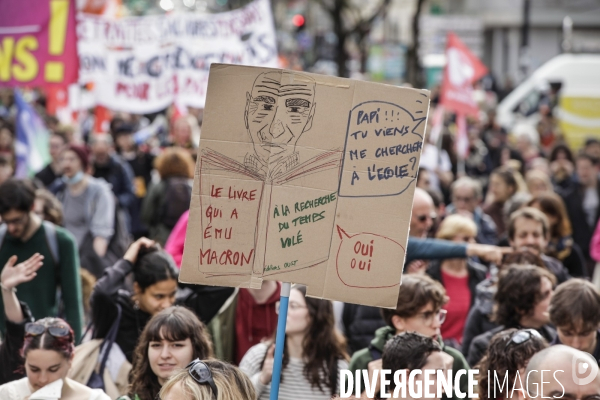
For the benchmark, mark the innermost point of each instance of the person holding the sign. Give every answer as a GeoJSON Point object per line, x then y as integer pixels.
{"type": "Point", "coordinates": [313, 356]}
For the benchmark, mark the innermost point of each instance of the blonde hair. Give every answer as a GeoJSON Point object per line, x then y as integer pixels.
{"type": "Point", "coordinates": [456, 224]}
{"type": "Point", "coordinates": [538, 175]}
{"type": "Point", "coordinates": [232, 384]}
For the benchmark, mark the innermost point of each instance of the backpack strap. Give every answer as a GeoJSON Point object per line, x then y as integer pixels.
{"type": "Point", "coordinates": [3, 230]}
{"type": "Point", "coordinates": [52, 240]}
{"type": "Point", "coordinates": [375, 354]}
{"type": "Point", "coordinates": [108, 342]}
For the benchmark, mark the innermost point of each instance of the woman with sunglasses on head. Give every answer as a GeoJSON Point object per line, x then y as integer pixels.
{"type": "Point", "coordinates": [170, 341]}
{"type": "Point", "coordinates": [314, 353]}
{"type": "Point", "coordinates": [508, 354]}
{"type": "Point", "coordinates": [48, 351]}
{"type": "Point", "coordinates": [154, 289]}
{"type": "Point", "coordinates": [208, 380]}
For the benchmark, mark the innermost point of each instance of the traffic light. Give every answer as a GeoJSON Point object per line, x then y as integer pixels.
{"type": "Point", "coordinates": [299, 22]}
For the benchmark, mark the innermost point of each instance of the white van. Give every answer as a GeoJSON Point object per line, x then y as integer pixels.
{"type": "Point", "coordinates": [578, 111]}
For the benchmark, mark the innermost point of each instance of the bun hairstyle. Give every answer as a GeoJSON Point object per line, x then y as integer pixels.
{"type": "Point", "coordinates": [152, 266]}
{"type": "Point", "coordinates": [65, 345]}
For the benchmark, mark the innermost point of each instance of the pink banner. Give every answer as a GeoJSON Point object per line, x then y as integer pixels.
{"type": "Point", "coordinates": [38, 43]}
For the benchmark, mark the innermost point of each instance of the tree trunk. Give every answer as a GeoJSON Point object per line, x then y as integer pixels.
{"type": "Point", "coordinates": [414, 73]}
{"type": "Point", "coordinates": [341, 57]}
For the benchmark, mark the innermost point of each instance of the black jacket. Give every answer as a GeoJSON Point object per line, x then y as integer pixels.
{"type": "Point", "coordinates": [360, 324]}
{"type": "Point", "coordinates": [480, 344]}
{"type": "Point", "coordinates": [477, 273]}
{"type": "Point", "coordinates": [11, 361]}
{"type": "Point", "coordinates": [582, 232]}
{"type": "Point", "coordinates": [109, 291]}
{"type": "Point", "coordinates": [557, 268]}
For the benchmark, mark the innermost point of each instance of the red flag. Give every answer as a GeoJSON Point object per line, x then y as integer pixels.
{"type": "Point", "coordinates": [462, 69]}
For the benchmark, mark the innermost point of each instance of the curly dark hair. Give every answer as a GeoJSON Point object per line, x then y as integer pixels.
{"type": "Point", "coordinates": [172, 324]}
{"type": "Point", "coordinates": [323, 345]}
{"type": "Point", "coordinates": [502, 360]}
{"type": "Point", "coordinates": [522, 257]}
{"type": "Point", "coordinates": [519, 290]}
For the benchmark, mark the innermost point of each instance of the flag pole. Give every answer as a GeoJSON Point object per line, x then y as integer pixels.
{"type": "Point", "coordinates": [280, 339]}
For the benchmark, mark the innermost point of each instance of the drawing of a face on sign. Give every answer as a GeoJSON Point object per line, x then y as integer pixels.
{"type": "Point", "coordinates": [279, 110]}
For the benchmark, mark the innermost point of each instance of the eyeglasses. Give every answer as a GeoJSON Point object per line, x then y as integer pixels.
{"type": "Point", "coordinates": [423, 218]}
{"type": "Point", "coordinates": [457, 199]}
{"type": "Point", "coordinates": [292, 305]}
{"type": "Point", "coordinates": [429, 315]}
{"type": "Point", "coordinates": [522, 336]}
{"type": "Point", "coordinates": [17, 221]}
{"type": "Point", "coordinates": [200, 372]}
{"type": "Point", "coordinates": [37, 329]}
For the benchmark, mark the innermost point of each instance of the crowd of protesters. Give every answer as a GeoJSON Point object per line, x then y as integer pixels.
{"type": "Point", "coordinates": [500, 275]}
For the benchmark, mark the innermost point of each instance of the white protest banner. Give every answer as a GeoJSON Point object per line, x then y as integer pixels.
{"type": "Point", "coordinates": [143, 64]}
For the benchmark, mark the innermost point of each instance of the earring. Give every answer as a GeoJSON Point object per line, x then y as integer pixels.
{"type": "Point", "coordinates": [136, 305]}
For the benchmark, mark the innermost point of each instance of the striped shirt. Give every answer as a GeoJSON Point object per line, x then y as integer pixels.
{"type": "Point", "coordinates": [294, 385]}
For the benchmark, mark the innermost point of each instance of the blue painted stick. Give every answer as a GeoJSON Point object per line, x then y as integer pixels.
{"type": "Point", "coordinates": [280, 340]}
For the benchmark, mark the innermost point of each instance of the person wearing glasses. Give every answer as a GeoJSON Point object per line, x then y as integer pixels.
{"type": "Point", "coordinates": [466, 194]}
{"type": "Point", "coordinates": [522, 300]}
{"type": "Point", "coordinates": [509, 353]}
{"type": "Point", "coordinates": [208, 380]}
{"type": "Point", "coordinates": [314, 353]}
{"type": "Point", "coordinates": [419, 310]}
{"type": "Point", "coordinates": [170, 341]}
{"type": "Point", "coordinates": [459, 276]}
{"type": "Point", "coordinates": [23, 234]}
{"type": "Point", "coordinates": [48, 347]}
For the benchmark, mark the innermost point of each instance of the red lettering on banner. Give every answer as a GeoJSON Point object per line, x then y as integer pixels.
{"type": "Point", "coordinates": [138, 91]}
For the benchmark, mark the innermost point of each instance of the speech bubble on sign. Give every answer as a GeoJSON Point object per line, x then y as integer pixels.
{"type": "Point", "coordinates": [383, 145]}
{"type": "Point", "coordinates": [364, 260]}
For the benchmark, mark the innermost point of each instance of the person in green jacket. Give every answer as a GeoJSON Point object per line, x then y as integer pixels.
{"type": "Point", "coordinates": [24, 234]}
{"type": "Point", "coordinates": [419, 310]}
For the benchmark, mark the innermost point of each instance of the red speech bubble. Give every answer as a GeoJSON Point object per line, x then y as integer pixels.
{"type": "Point", "coordinates": [366, 260]}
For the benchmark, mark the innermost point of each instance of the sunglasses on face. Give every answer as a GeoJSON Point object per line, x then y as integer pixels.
{"type": "Point", "coordinates": [423, 218]}
{"type": "Point", "coordinates": [523, 336]}
{"type": "Point", "coordinates": [200, 372]}
{"type": "Point", "coordinates": [37, 329]}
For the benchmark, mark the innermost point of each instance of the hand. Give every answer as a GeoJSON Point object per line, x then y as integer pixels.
{"type": "Point", "coordinates": [372, 367]}
{"type": "Point", "coordinates": [13, 275]}
{"type": "Point", "coordinates": [489, 253]}
{"type": "Point", "coordinates": [416, 267]}
{"type": "Point", "coordinates": [132, 252]}
{"type": "Point", "coordinates": [448, 361]}
{"type": "Point", "coordinates": [267, 370]}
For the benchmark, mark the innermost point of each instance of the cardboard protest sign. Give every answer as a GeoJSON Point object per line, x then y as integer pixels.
{"type": "Point", "coordinates": [144, 64]}
{"type": "Point", "coordinates": [37, 43]}
{"type": "Point", "coordinates": [307, 179]}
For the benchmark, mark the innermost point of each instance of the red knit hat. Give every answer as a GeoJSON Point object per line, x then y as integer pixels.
{"type": "Point", "coordinates": [83, 155]}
